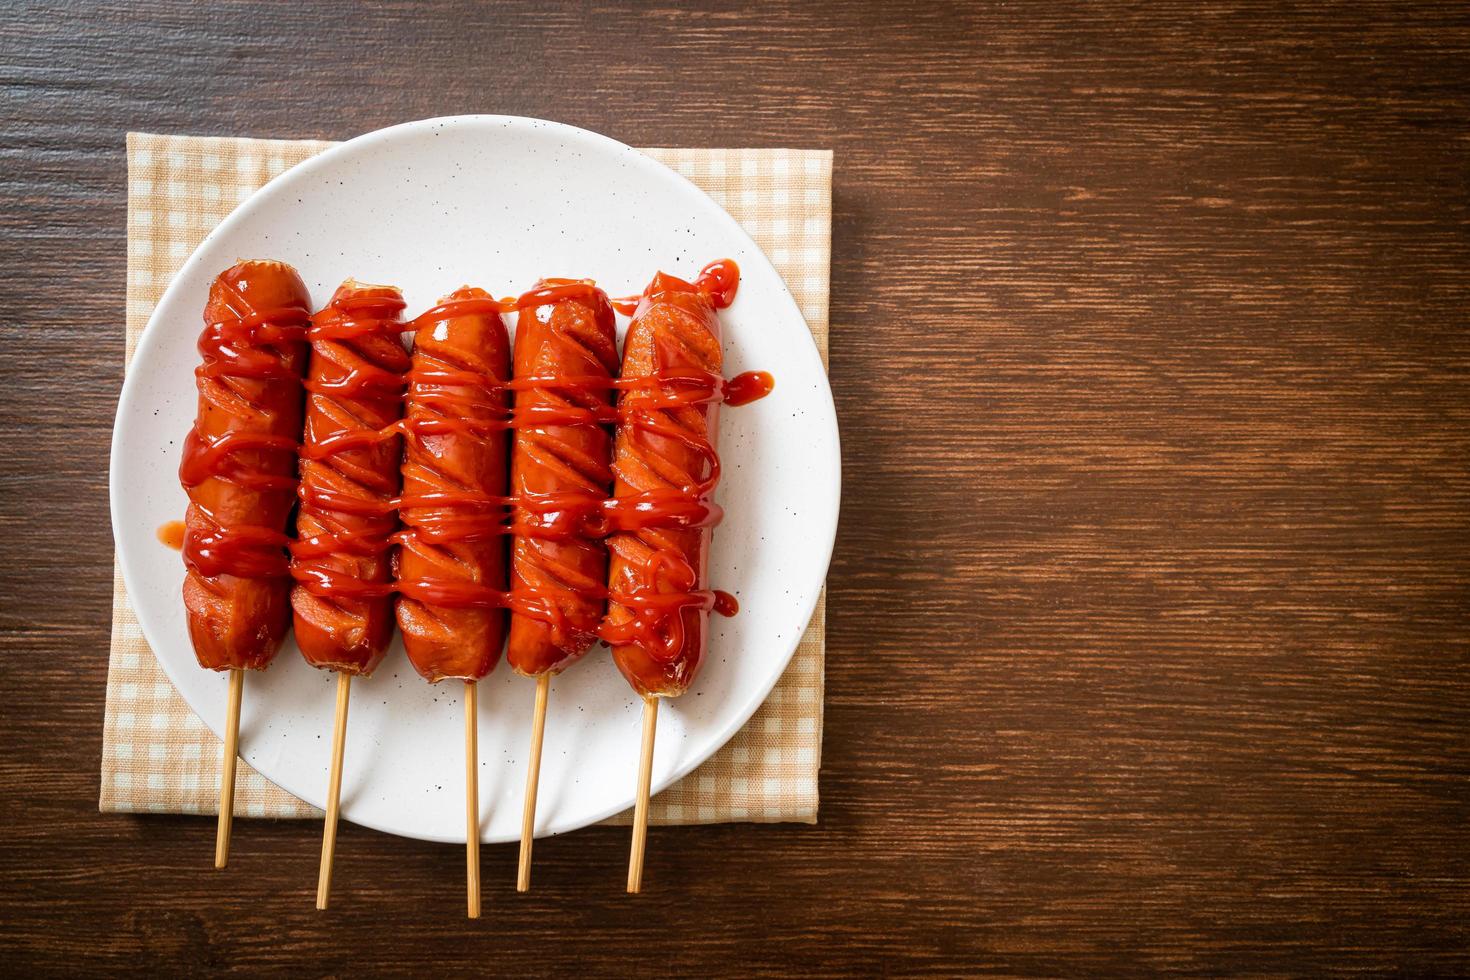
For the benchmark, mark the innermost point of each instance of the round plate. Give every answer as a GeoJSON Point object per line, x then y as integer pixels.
{"type": "Point", "coordinates": [499, 202]}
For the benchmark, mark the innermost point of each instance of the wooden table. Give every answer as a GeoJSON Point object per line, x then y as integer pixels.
{"type": "Point", "coordinates": [1150, 612]}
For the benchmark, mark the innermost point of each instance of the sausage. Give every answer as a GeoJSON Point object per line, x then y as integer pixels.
{"type": "Point", "coordinates": [558, 570]}
{"type": "Point", "coordinates": [451, 566]}
{"type": "Point", "coordinates": [349, 480]}
{"type": "Point", "coordinates": [239, 464]}
{"type": "Point", "coordinates": [666, 469]}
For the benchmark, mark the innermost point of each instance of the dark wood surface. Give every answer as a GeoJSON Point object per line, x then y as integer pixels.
{"type": "Point", "coordinates": [1148, 617]}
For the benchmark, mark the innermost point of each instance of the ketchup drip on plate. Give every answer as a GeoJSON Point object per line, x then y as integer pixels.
{"type": "Point", "coordinates": [171, 534]}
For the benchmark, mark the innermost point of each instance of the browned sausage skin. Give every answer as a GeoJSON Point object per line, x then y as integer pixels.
{"type": "Point", "coordinates": [239, 464]}
{"type": "Point", "coordinates": [452, 567]}
{"type": "Point", "coordinates": [349, 480]}
{"type": "Point", "coordinates": [566, 355]}
{"type": "Point", "coordinates": [658, 600]}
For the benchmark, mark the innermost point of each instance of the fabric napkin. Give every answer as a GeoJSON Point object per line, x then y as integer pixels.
{"type": "Point", "coordinates": [157, 756]}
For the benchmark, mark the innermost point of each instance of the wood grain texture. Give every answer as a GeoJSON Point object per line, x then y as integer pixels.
{"type": "Point", "coordinates": [1150, 614]}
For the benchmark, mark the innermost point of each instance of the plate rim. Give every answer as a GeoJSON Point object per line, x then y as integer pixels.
{"type": "Point", "coordinates": [153, 330]}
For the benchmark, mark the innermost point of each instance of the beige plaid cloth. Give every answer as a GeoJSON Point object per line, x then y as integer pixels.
{"type": "Point", "coordinates": [158, 757]}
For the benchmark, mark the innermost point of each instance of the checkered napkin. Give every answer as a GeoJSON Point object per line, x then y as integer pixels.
{"type": "Point", "coordinates": [158, 757]}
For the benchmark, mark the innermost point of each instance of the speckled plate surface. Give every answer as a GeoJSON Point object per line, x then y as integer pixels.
{"type": "Point", "coordinates": [495, 201]}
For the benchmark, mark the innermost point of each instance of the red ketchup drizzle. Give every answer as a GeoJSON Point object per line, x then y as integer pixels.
{"type": "Point", "coordinates": [246, 551]}
{"type": "Point", "coordinates": [667, 583]}
{"type": "Point", "coordinates": [356, 317]}
{"type": "Point", "coordinates": [717, 282]}
{"type": "Point", "coordinates": [658, 624]}
{"type": "Point", "coordinates": [449, 516]}
{"type": "Point", "coordinates": [241, 347]}
{"type": "Point", "coordinates": [472, 404]}
{"type": "Point", "coordinates": [748, 387]}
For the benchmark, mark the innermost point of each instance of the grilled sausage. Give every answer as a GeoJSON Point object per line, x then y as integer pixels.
{"type": "Point", "coordinates": [566, 354]}
{"type": "Point", "coordinates": [666, 470]}
{"type": "Point", "coordinates": [451, 567]}
{"type": "Point", "coordinates": [239, 464]}
{"type": "Point", "coordinates": [349, 478]}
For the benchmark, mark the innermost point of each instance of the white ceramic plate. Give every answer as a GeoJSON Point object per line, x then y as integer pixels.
{"type": "Point", "coordinates": [496, 201]}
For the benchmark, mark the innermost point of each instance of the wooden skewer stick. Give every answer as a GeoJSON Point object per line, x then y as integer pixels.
{"type": "Point", "coordinates": [334, 792]}
{"type": "Point", "coordinates": [533, 779]}
{"type": "Point", "coordinates": [472, 797]}
{"type": "Point", "coordinates": [640, 809]}
{"type": "Point", "coordinates": [227, 770]}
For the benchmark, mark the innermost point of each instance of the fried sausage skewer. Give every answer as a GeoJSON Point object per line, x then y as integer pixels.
{"type": "Point", "coordinates": [341, 558]}
{"type": "Point", "coordinates": [566, 354]}
{"type": "Point", "coordinates": [451, 574]}
{"type": "Point", "coordinates": [666, 470]}
{"type": "Point", "coordinates": [239, 468]}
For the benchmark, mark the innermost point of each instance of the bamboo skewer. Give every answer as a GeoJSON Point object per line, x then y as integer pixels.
{"type": "Point", "coordinates": [334, 792]}
{"type": "Point", "coordinates": [472, 798]}
{"type": "Point", "coordinates": [227, 769]}
{"type": "Point", "coordinates": [533, 779]}
{"type": "Point", "coordinates": [640, 808]}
